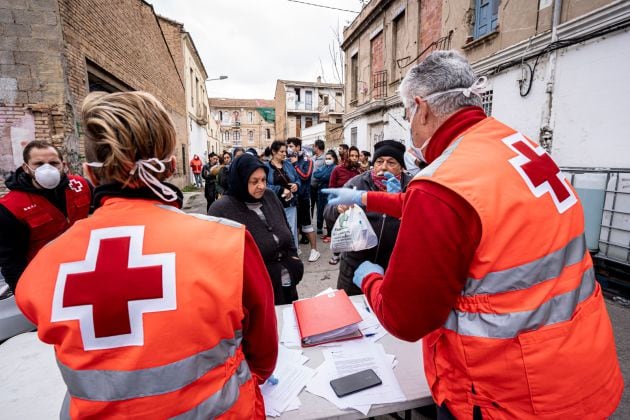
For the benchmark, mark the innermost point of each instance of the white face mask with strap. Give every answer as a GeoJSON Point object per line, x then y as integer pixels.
{"type": "Point", "coordinates": [145, 169]}
{"type": "Point", "coordinates": [475, 89]}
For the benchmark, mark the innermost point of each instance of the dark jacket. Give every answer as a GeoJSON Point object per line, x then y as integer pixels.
{"type": "Point", "coordinates": [385, 227]}
{"type": "Point", "coordinates": [275, 255]}
{"type": "Point", "coordinates": [322, 175]}
{"type": "Point", "coordinates": [210, 187]}
{"type": "Point", "coordinates": [292, 176]}
{"type": "Point", "coordinates": [304, 168]}
{"type": "Point", "coordinates": [14, 235]}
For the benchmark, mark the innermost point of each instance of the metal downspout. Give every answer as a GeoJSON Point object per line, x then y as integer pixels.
{"type": "Point", "coordinates": [546, 130]}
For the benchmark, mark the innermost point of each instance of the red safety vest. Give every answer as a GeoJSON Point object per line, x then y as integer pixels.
{"type": "Point", "coordinates": [45, 221]}
{"type": "Point", "coordinates": [146, 323]}
{"type": "Point", "coordinates": [530, 336]}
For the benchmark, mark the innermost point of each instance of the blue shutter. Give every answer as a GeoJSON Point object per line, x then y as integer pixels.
{"type": "Point", "coordinates": [486, 17]}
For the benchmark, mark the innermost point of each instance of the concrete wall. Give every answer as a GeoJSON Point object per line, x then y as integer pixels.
{"type": "Point", "coordinates": [591, 103]}
{"type": "Point", "coordinates": [518, 20]}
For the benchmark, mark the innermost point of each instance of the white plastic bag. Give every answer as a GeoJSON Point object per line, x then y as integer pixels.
{"type": "Point", "coordinates": [352, 232]}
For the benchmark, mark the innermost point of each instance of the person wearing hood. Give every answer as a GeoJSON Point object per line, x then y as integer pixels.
{"type": "Point", "coordinates": [43, 202]}
{"type": "Point", "coordinates": [249, 202]}
{"type": "Point", "coordinates": [196, 164]}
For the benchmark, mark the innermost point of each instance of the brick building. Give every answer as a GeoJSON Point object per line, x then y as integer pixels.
{"type": "Point", "coordinates": [244, 122]}
{"type": "Point", "coordinates": [380, 45]}
{"type": "Point", "coordinates": [203, 133]}
{"type": "Point", "coordinates": [54, 52]}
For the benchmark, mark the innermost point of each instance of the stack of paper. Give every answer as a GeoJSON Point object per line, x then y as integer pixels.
{"type": "Point", "coordinates": [354, 356]}
{"type": "Point", "coordinates": [370, 326]}
{"type": "Point", "coordinates": [292, 377]}
{"type": "Point", "coordinates": [327, 318]}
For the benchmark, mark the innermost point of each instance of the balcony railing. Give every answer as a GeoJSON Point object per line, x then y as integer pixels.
{"type": "Point", "coordinates": [379, 84]}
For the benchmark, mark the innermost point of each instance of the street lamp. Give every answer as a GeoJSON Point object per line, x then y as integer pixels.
{"type": "Point", "coordinates": [217, 78]}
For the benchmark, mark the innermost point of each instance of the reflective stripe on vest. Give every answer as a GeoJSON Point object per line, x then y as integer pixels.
{"type": "Point", "coordinates": [508, 325]}
{"type": "Point", "coordinates": [217, 404]}
{"type": "Point", "coordinates": [222, 400]}
{"type": "Point", "coordinates": [527, 275]}
{"type": "Point", "coordinates": [116, 385]}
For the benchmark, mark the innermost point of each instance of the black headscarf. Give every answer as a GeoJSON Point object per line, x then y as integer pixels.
{"type": "Point", "coordinates": [240, 170]}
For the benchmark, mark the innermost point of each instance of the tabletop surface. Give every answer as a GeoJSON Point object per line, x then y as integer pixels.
{"type": "Point", "coordinates": [31, 385]}
{"type": "Point", "coordinates": [409, 372]}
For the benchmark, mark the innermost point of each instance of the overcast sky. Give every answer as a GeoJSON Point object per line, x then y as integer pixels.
{"type": "Point", "coordinates": [256, 42]}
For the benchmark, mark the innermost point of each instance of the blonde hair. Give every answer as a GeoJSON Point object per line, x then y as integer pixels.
{"type": "Point", "coordinates": [124, 128]}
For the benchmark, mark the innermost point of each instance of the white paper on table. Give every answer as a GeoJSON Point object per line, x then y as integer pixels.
{"type": "Point", "coordinates": [291, 355]}
{"type": "Point", "coordinates": [351, 357]}
{"type": "Point", "coordinates": [292, 378]}
{"type": "Point", "coordinates": [290, 335]}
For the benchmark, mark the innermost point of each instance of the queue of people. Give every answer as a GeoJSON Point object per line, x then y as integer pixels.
{"type": "Point", "coordinates": [491, 273]}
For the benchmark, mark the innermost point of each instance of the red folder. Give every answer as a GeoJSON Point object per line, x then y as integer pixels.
{"type": "Point", "coordinates": [326, 318]}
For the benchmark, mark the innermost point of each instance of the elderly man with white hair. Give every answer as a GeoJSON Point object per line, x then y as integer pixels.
{"type": "Point", "coordinates": [490, 267]}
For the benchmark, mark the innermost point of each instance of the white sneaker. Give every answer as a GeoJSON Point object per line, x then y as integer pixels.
{"type": "Point", "coordinates": [314, 256]}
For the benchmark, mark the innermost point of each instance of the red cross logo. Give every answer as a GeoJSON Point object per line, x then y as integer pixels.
{"type": "Point", "coordinates": [75, 185]}
{"type": "Point", "coordinates": [540, 172]}
{"type": "Point", "coordinates": [111, 289]}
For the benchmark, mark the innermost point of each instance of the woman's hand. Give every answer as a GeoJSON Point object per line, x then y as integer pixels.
{"type": "Point", "coordinates": [293, 187]}
{"type": "Point", "coordinates": [342, 207]}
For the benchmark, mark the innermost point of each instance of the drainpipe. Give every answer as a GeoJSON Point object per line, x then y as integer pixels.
{"type": "Point", "coordinates": [546, 130]}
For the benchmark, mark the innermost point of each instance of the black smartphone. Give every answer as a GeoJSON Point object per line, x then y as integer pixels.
{"type": "Point", "coordinates": [355, 382]}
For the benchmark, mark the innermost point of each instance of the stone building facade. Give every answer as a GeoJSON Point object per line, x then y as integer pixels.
{"type": "Point", "coordinates": [244, 122]}
{"type": "Point", "coordinates": [54, 52]}
{"type": "Point", "coordinates": [380, 45]}
{"type": "Point", "coordinates": [302, 105]}
{"type": "Point", "coordinates": [203, 133]}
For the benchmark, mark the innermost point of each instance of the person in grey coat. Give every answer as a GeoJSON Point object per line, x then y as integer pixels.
{"type": "Point", "coordinates": [388, 157]}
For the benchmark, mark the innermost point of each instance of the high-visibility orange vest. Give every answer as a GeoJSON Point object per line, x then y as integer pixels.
{"type": "Point", "coordinates": [146, 322]}
{"type": "Point", "coordinates": [530, 336]}
{"type": "Point", "coordinates": [44, 220]}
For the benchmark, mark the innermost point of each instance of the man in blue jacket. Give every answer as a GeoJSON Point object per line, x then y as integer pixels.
{"type": "Point", "coordinates": [304, 168]}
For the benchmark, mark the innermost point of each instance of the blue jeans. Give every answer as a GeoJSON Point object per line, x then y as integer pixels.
{"type": "Point", "coordinates": [291, 214]}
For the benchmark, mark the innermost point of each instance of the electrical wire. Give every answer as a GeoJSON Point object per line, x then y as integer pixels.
{"type": "Point", "coordinates": [556, 45]}
{"type": "Point", "coordinates": [323, 6]}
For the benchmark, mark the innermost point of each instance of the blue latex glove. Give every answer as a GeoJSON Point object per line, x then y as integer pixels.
{"type": "Point", "coordinates": [392, 183]}
{"type": "Point", "coordinates": [345, 196]}
{"type": "Point", "coordinates": [366, 267]}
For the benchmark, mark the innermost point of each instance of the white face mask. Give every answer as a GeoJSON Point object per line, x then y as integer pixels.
{"type": "Point", "coordinates": [47, 176]}
{"type": "Point", "coordinates": [419, 151]}
{"type": "Point", "coordinates": [329, 161]}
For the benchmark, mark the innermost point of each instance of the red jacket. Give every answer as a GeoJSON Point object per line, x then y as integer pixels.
{"type": "Point", "coordinates": [340, 175]}
{"type": "Point", "coordinates": [438, 238]}
{"type": "Point", "coordinates": [45, 221]}
{"type": "Point", "coordinates": [196, 164]}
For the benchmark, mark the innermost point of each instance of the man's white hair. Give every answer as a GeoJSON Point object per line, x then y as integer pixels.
{"type": "Point", "coordinates": [438, 72]}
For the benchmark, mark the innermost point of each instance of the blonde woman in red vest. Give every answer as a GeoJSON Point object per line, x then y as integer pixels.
{"type": "Point", "coordinates": [490, 267]}
{"type": "Point", "coordinates": [146, 322]}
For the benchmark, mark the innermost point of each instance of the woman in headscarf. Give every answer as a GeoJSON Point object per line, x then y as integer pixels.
{"type": "Point", "coordinates": [249, 202]}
